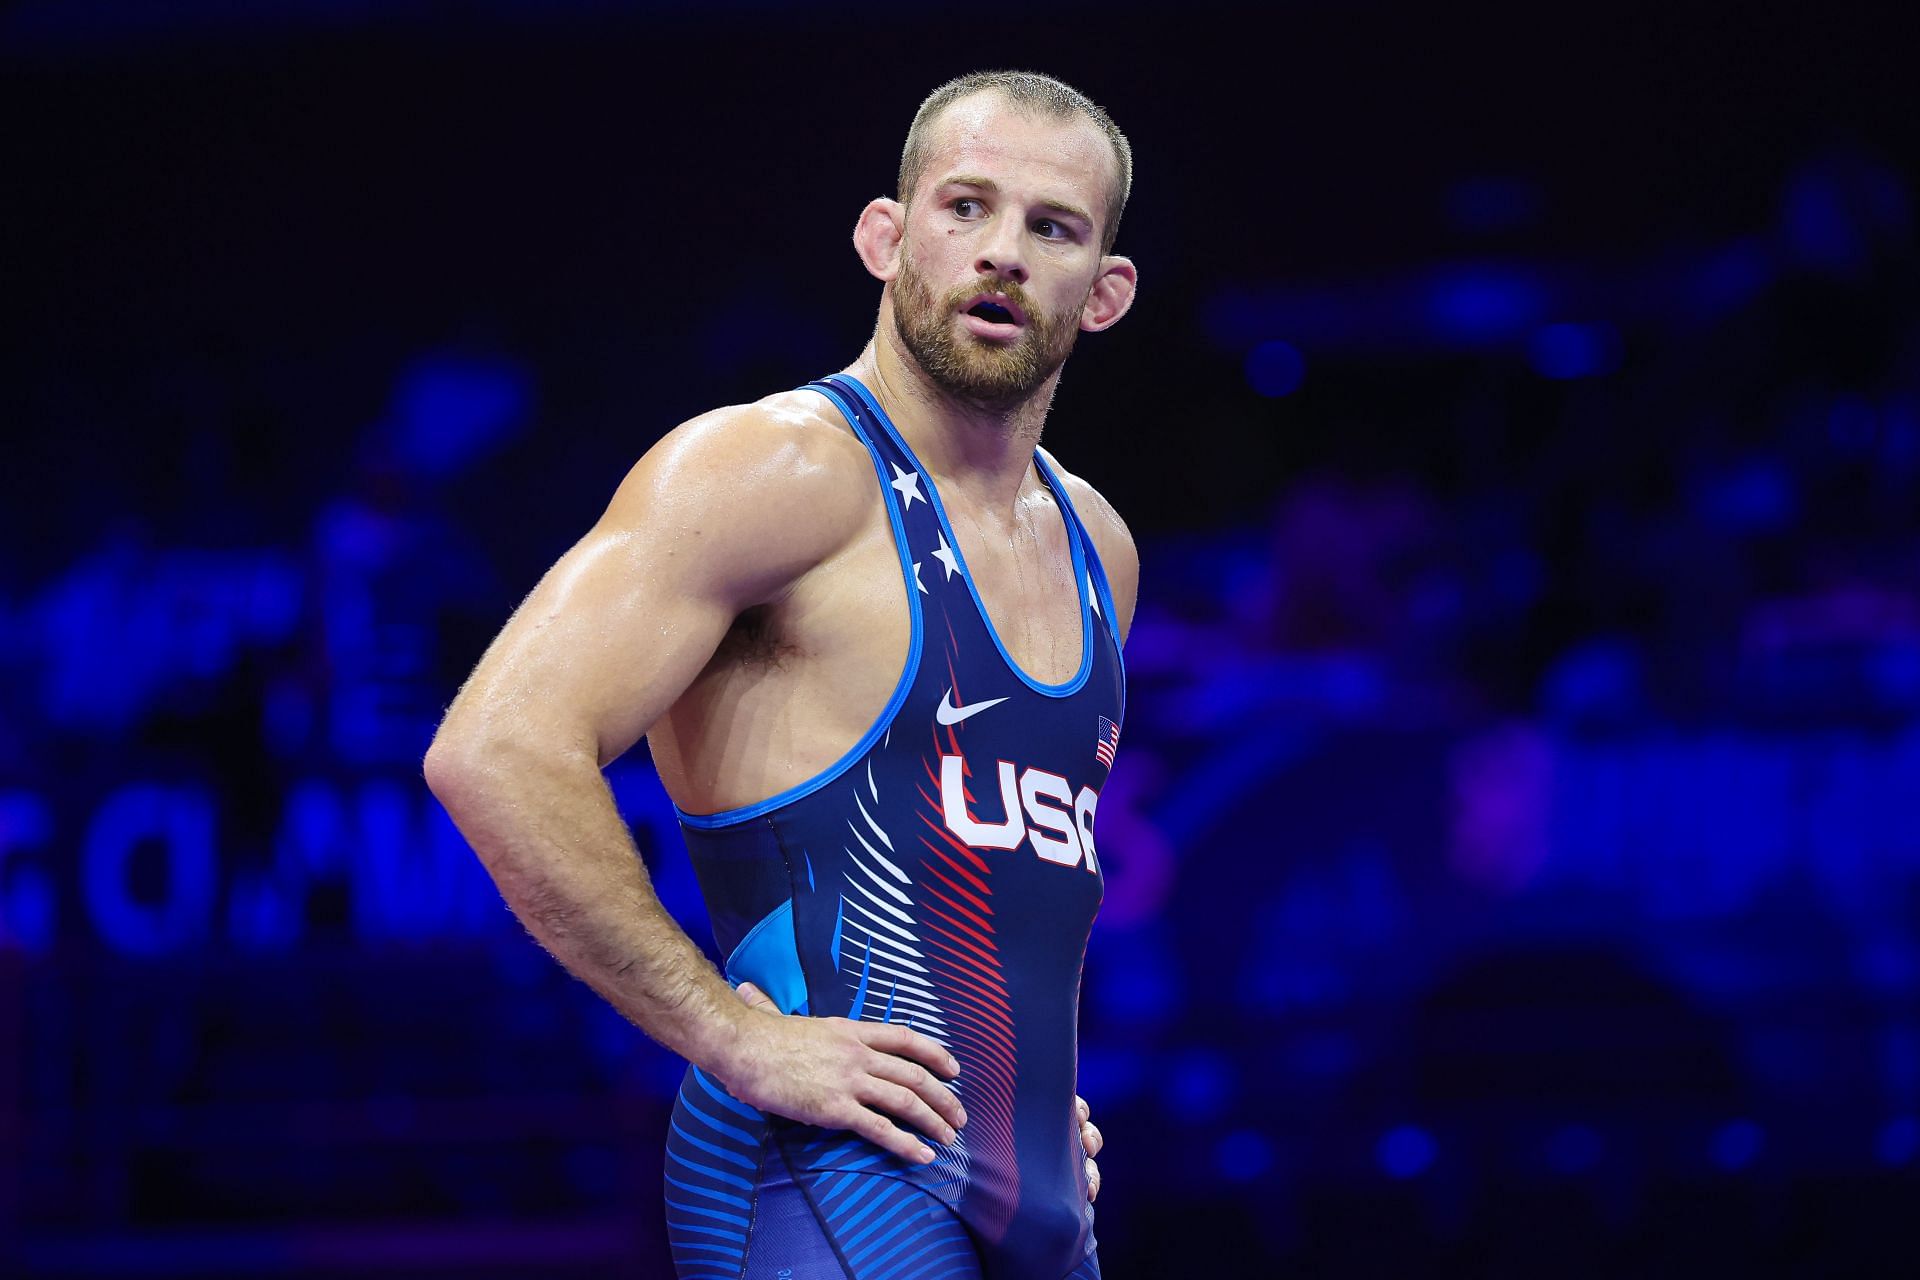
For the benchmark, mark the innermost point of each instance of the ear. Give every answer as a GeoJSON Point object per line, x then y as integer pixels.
{"type": "Point", "coordinates": [1111, 296]}
{"type": "Point", "coordinates": [877, 236]}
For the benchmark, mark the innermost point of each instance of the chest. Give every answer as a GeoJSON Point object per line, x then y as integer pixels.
{"type": "Point", "coordinates": [974, 583]}
{"type": "Point", "coordinates": [1023, 581]}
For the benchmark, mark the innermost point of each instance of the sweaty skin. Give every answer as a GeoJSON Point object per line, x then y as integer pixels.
{"type": "Point", "coordinates": [739, 603]}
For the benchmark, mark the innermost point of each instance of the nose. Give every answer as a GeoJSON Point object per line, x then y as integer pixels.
{"type": "Point", "coordinates": [1001, 254]}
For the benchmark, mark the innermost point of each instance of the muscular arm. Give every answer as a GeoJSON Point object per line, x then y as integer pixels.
{"type": "Point", "coordinates": [727, 512]}
{"type": "Point", "coordinates": [601, 648]}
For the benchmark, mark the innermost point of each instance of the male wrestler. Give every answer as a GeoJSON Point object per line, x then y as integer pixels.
{"type": "Point", "coordinates": [875, 651]}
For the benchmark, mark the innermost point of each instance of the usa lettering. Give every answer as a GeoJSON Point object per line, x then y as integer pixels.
{"type": "Point", "coordinates": [1038, 807]}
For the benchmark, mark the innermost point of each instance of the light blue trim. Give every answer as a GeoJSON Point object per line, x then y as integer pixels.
{"type": "Point", "coordinates": [769, 958]}
{"type": "Point", "coordinates": [728, 817]}
{"type": "Point", "coordinates": [860, 992]}
{"type": "Point", "coordinates": [1108, 613]}
{"type": "Point", "coordinates": [1073, 685]}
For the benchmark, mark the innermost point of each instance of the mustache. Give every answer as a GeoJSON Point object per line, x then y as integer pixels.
{"type": "Point", "coordinates": [991, 285]}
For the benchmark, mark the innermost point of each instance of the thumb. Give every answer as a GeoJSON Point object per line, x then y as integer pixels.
{"type": "Point", "coordinates": [754, 998]}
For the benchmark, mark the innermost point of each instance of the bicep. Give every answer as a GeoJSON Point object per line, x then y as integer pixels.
{"type": "Point", "coordinates": [626, 620]}
{"type": "Point", "coordinates": [601, 647]}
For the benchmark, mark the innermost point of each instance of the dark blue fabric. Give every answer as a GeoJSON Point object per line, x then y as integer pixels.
{"type": "Point", "coordinates": [944, 874]}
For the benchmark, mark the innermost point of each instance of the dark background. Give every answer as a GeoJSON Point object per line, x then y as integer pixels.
{"type": "Point", "coordinates": [1513, 859]}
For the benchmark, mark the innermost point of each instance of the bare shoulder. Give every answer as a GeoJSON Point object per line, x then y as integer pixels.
{"type": "Point", "coordinates": [791, 443]}
{"type": "Point", "coordinates": [1111, 539]}
{"type": "Point", "coordinates": [763, 490]}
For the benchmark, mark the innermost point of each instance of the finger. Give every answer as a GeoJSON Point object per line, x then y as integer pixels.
{"type": "Point", "coordinates": [902, 1103]}
{"type": "Point", "coordinates": [1091, 1138]}
{"type": "Point", "coordinates": [754, 998]}
{"type": "Point", "coordinates": [895, 1039]}
{"type": "Point", "coordinates": [1093, 1181]}
{"type": "Point", "coordinates": [880, 1131]}
{"type": "Point", "coordinates": [1080, 1105]}
{"type": "Point", "coordinates": [917, 1078]}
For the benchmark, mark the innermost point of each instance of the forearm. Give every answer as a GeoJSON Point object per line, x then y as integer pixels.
{"type": "Point", "coordinates": [544, 824]}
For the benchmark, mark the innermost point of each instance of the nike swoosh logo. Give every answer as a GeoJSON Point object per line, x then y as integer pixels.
{"type": "Point", "coordinates": [947, 713]}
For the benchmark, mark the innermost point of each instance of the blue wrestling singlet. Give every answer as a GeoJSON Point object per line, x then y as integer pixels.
{"type": "Point", "coordinates": [941, 874]}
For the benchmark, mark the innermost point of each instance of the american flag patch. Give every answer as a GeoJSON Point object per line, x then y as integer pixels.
{"type": "Point", "coordinates": [1108, 742]}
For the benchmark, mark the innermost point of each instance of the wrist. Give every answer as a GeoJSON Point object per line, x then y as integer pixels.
{"type": "Point", "coordinates": [716, 1044]}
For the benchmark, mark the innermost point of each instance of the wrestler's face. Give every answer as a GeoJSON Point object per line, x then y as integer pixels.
{"type": "Point", "coordinates": [1002, 248]}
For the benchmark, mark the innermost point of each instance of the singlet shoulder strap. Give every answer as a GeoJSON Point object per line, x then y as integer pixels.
{"type": "Point", "coordinates": [1103, 591]}
{"type": "Point", "coordinates": [859, 415]}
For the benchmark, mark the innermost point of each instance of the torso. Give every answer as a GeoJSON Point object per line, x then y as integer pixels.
{"type": "Point", "coordinates": [798, 679]}
{"type": "Point", "coordinates": [933, 861]}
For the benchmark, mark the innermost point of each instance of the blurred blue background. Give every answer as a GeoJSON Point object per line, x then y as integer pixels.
{"type": "Point", "coordinates": [1513, 857]}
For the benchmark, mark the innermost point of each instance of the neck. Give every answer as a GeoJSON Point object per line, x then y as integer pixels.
{"type": "Point", "coordinates": [985, 452]}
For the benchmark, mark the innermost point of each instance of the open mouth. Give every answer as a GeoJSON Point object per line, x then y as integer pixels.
{"type": "Point", "coordinates": [996, 309]}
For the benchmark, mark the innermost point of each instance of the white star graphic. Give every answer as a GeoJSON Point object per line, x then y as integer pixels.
{"type": "Point", "coordinates": [908, 483]}
{"type": "Point", "coordinates": [916, 578]}
{"type": "Point", "coordinates": [1093, 596]}
{"type": "Point", "coordinates": [944, 554]}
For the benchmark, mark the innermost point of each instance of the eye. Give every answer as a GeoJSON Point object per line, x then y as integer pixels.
{"type": "Point", "coordinates": [1050, 229]}
{"type": "Point", "coordinates": [966, 207]}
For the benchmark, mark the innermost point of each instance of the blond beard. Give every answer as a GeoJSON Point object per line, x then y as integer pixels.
{"type": "Point", "coordinates": [989, 374]}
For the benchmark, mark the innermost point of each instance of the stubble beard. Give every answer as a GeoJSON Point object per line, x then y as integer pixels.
{"type": "Point", "coordinates": [992, 375]}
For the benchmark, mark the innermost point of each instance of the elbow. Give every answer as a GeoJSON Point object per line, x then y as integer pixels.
{"type": "Point", "coordinates": [443, 769]}
{"type": "Point", "coordinates": [459, 765]}
{"type": "Point", "coordinates": [472, 780]}
{"type": "Point", "coordinates": [453, 763]}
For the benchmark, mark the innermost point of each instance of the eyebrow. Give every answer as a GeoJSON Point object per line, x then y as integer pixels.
{"type": "Point", "coordinates": [989, 185]}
